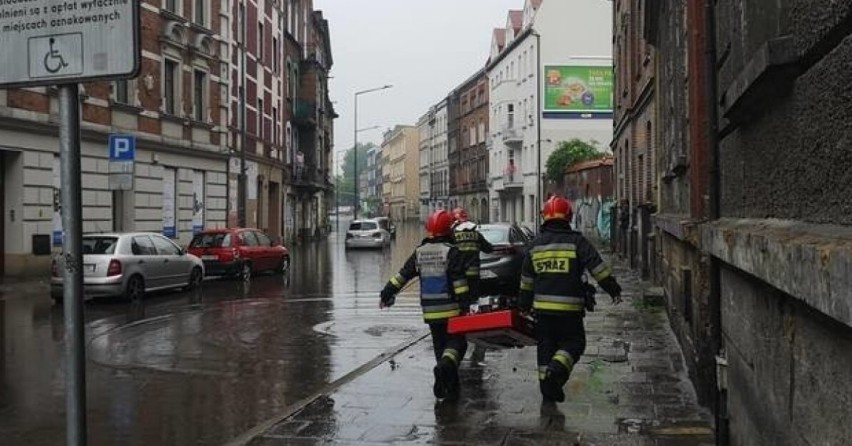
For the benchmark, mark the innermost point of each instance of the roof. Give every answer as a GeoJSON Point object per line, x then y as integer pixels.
{"type": "Point", "coordinates": [591, 164]}
{"type": "Point", "coordinates": [500, 36]}
{"type": "Point", "coordinates": [516, 16]}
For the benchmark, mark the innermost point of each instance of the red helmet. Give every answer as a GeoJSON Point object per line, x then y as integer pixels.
{"type": "Point", "coordinates": [440, 223]}
{"type": "Point", "coordinates": [557, 208]}
{"type": "Point", "coordinates": [460, 214]}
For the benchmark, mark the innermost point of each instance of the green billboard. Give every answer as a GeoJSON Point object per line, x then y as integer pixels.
{"type": "Point", "coordinates": [583, 89]}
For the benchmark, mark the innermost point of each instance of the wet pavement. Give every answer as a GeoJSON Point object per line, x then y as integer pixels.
{"type": "Point", "coordinates": [308, 358]}
{"type": "Point", "coordinates": [202, 368]}
{"type": "Point", "coordinates": [630, 388]}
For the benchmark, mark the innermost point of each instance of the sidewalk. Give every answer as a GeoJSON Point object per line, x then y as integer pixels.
{"type": "Point", "coordinates": [630, 388]}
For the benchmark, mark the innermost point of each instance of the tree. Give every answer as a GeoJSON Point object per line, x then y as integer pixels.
{"type": "Point", "coordinates": [345, 182]}
{"type": "Point", "coordinates": [568, 154]}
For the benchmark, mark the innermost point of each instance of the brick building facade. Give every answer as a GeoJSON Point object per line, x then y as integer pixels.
{"type": "Point", "coordinates": [184, 110]}
{"type": "Point", "coordinates": [468, 149]}
{"type": "Point", "coordinates": [173, 108]}
{"type": "Point", "coordinates": [634, 141]}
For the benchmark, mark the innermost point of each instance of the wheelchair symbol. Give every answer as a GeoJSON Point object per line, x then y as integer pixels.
{"type": "Point", "coordinates": [53, 61]}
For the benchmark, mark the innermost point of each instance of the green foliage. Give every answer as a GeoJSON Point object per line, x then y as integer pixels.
{"type": "Point", "coordinates": [344, 183]}
{"type": "Point", "coordinates": [568, 154]}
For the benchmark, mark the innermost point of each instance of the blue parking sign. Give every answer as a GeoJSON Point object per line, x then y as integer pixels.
{"type": "Point", "coordinates": [122, 147]}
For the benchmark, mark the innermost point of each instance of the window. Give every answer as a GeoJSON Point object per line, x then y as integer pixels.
{"type": "Point", "coordinates": [171, 6]}
{"type": "Point", "coordinates": [263, 239]}
{"type": "Point", "coordinates": [275, 58]}
{"type": "Point", "coordinates": [99, 245]}
{"type": "Point", "coordinates": [170, 86]}
{"type": "Point", "coordinates": [142, 246]}
{"type": "Point", "coordinates": [248, 238]}
{"type": "Point", "coordinates": [260, 39]}
{"type": "Point", "coordinates": [165, 247]}
{"type": "Point", "coordinates": [276, 132]}
{"type": "Point", "coordinates": [214, 240]}
{"type": "Point", "coordinates": [481, 131]}
{"type": "Point", "coordinates": [121, 90]}
{"type": "Point", "coordinates": [200, 16]}
{"type": "Point", "coordinates": [259, 128]}
{"type": "Point", "coordinates": [199, 96]}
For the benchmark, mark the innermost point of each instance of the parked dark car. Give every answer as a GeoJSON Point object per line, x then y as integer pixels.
{"type": "Point", "coordinates": [511, 244]}
{"type": "Point", "coordinates": [239, 252]}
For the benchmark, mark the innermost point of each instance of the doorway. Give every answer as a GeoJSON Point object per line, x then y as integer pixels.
{"type": "Point", "coordinates": [274, 210]}
{"type": "Point", "coordinates": [2, 215]}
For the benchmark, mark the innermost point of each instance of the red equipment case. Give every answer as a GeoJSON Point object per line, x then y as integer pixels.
{"type": "Point", "coordinates": [496, 329]}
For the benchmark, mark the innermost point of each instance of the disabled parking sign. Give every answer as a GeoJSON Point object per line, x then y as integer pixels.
{"type": "Point", "coordinates": [68, 41]}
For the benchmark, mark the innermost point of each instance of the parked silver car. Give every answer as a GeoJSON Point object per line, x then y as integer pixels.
{"type": "Point", "coordinates": [366, 234]}
{"type": "Point", "coordinates": [130, 265]}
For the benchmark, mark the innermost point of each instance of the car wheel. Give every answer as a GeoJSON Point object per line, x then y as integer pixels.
{"type": "Point", "coordinates": [285, 265]}
{"type": "Point", "coordinates": [245, 271]}
{"type": "Point", "coordinates": [195, 278]}
{"type": "Point", "coordinates": [135, 288]}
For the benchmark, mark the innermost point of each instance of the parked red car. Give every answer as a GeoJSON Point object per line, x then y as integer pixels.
{"type": "Point", "coordinates": [239, 252]}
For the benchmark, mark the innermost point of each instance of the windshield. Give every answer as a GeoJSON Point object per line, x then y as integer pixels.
{"type": "Point", "coordinates": [215, 240]}
{"type": "Point", "coordinates": [99, 245]}
{"type": "Point", "coordinates": [362, 226]}
{"type": "Point", "coordinates": [495, 234]}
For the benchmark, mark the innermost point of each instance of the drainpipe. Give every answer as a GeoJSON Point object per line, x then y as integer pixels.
{"type": "Point", "coordinates": [721, 404]}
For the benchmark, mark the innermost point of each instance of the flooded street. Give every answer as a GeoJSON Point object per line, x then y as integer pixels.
{"type": "Point", "coordinates": [202, 367]}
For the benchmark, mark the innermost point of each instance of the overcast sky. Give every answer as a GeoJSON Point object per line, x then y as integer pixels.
{"type": "Point", "coordinates": [424, 48]}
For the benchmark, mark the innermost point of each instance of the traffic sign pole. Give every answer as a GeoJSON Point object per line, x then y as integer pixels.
{"type": "Point", "coordinates": [72, 292]}
{"type": "Point", "coordinates": [98, 43]}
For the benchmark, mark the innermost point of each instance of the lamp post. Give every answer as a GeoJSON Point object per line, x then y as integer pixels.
{"type": "Point", "coordinates": [538, 121]}
{"type": "Point", "coordinates": [355, 146]}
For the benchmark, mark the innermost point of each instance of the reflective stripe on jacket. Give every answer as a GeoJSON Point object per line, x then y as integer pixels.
{"type": "Point", "coordinates": [551, 274]}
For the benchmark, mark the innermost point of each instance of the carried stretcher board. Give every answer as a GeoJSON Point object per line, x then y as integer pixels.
{"type": "Point", "coordinates": [496, 329]}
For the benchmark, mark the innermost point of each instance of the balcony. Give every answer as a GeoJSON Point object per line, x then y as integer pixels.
{"type": "Point", "coordinates": [305, 113]}
{"type": "Point", "coordinates": [308, 178]}
{"type": "Point", "coordinates": [512, 135]}
{"type": "Point", "coordinates": [512, 178]}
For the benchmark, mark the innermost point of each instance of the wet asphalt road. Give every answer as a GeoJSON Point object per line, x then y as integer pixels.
{"type": "Point", "coordinates": [203, 367]}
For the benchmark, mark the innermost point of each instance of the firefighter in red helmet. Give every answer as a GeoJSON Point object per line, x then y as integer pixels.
{"type": "Point", "coordinates": [470, 243]}
{"type": "Point", "coordinates": [552, 285]}
{"type": "Point", "coordinates": [444, 292]}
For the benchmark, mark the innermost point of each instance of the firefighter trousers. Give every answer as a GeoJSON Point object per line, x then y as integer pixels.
{"type": "Point", "coordinates": [445, 344]}
{"type": "Point", "coordinates": [561, 339]}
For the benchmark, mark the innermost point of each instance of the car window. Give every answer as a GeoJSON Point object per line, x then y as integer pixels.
{"type": "Point", "coordinates": [263, 239]}
{"type": "Point", "coordinates": [495, 234]}
{"type": "Point", "coordinates": [248, 238]}
{"type": "Point", "coordinates": [384, 224]}
{"type": "Point", "coordinates": [165, 247]}
{"type": "Point", "coordinates": [213, 240]}
{"type": "Point", "coordinates": [99, 245]}
{"type": "Point", "coordinates": [143, 246]}
{"type": "Point", "coordinates": [363, 226]}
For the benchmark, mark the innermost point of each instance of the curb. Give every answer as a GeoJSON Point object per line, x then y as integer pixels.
{"type": "Point", "coordinates": [249, 435]}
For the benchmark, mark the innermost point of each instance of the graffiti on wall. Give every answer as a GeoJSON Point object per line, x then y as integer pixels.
{"type": "Point", "coordinates": [593, 216]}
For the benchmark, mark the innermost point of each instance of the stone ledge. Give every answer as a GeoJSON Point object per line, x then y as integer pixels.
{"type": "Point", "coordinates": [810, 262]}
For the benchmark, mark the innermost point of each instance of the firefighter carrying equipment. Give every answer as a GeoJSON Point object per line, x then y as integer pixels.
{"type": "Point", "coordinates": [551, 274]}
{"type": "Point", "coordinates": [443, 286]}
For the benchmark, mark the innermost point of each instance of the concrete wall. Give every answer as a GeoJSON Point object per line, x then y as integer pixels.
{"type": "Point", "coordinates": [788, 368]}
{"type": "Point", "coordinates": [786, 302]}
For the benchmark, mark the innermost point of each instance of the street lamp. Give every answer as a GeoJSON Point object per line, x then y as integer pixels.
{"type": "Point", "coordinates": [355, 145]}
{"type": "Point", "coordinates": [538, 121]}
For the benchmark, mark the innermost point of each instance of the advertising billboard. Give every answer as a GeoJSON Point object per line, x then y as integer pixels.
{"type": "Point", "coordinates": [580, 89]}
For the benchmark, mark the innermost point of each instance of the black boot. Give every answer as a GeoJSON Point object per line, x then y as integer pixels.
{"type": "Point", "coordinates": [446, 380]}
{"type": "Point", "coordinates": [554, 379]}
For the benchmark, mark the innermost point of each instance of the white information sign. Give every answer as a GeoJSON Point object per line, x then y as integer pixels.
{"type": "Point", "coordinates": [68, 41]}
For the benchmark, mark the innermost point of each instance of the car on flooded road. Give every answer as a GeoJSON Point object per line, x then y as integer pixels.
{"type": "Point", "coordinates": [130, 265]}
{"type": "Point", "coordinates": [239, 252]}
{"type": "Point", "coordinates": [367, 234]}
